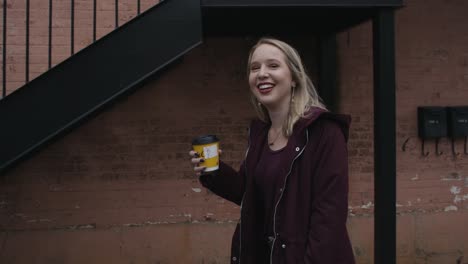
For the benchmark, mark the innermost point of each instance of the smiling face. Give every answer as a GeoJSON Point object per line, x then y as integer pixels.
{"type": "Point", "coordinates": [270, 78]}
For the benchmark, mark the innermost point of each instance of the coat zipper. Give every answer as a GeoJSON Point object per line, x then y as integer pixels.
{"type": "Point", "coordinates": [242, 201]}
{"type": "Point", "coordinates": [281, 196]}
{"type": "Point", "coordinates": [240, 228]}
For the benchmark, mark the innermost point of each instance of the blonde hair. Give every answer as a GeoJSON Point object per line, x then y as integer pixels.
{"type": "Point", "coordinates": [304, 95]}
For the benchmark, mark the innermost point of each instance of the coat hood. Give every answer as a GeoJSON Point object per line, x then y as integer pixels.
{"type": "Point", "coordinates": [310, 117]}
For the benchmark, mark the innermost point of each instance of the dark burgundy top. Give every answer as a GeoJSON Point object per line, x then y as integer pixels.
{"type": "Point", "coordinates": [268, 173]}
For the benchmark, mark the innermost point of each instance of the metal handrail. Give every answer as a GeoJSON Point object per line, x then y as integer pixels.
{"type": "Point", "coordinates": [4, 48]}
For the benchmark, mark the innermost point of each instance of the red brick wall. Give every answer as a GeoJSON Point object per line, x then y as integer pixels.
{"type": "Point", "coordinates": [119, 189]}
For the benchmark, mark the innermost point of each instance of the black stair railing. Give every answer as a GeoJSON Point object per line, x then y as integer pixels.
{"type": "Point", "coordinates": [50, 11]}
{"type": "Point", "coordinates": [72, 90]}
{"type": "Point", "coordinates": [4, 47]}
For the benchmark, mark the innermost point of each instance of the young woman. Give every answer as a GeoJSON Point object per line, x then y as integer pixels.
{"type": "Point", "coordinates": [293, 184]}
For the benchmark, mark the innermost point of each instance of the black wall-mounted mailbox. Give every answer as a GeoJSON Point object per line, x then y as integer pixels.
{"type": "Point", "coordinates": [432, 122]}
{"type": "Point", "coordinates": [457, 117]}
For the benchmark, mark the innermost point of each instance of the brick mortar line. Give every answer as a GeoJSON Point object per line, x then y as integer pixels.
{"type": "Point", "coordinates": [93, 226]}
{"type": "Point", "coordinates": [416, 211]}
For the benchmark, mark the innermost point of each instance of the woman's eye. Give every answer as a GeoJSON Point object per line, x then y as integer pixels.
{"type": "Point", "coordinates": [274, 65]}
{"type": "Point", "coordinates": [254, 68]}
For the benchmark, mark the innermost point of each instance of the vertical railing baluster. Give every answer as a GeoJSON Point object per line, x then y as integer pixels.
{"type": "Point", "coordinates": [116, 13]}
{"type": "Point", "coordinates": [50, 34]}
{"type": "Point", "coordinates": [94, 20]}
{"type": "Point", "coordinates": [4, 47]}
{"type": "Point", "coordinates": [138, 7]}
{"type": "Point", "coordinates": [27, 41]}
{"type": "Point", "coordinates": [72, 27]}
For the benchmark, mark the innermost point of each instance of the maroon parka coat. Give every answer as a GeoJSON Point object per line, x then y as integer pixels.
{"type": "Point", "coordinates": [311, 205]}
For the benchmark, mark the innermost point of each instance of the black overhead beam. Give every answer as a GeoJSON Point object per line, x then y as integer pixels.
{"type": "Point", "coordinates": [268, 17]}
{"type": "Point", "coordinates": [301, 3]}
{"type": "Point", "coordinates": [270, 20]}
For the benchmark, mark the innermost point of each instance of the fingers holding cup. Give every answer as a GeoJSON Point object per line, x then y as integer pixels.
{"type": "Point", "coordinates": [207, 149]}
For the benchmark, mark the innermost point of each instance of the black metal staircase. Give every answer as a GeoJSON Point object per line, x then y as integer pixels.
{"type": "Point", "coordinates": [79, 86]}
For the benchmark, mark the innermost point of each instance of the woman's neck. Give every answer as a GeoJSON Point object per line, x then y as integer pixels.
{"type": "Point", "coordinates": [277, 119]}
{"type": "Point", "coordinates": [278, 113]}
{"type": "Point", "coordinates": [276, 136]}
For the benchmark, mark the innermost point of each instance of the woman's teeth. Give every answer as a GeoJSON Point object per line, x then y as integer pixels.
{"type": "Point", "coordinates": [265, 86]}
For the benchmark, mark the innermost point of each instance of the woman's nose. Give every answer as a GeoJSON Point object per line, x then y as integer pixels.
{"type": "Point", "coordinates": [262, 72]}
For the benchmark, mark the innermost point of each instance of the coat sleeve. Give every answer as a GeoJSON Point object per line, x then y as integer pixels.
{"type": "Point", "coordinates": [328, 240]}
{"type": "Point", "coordinates": [226, 182]}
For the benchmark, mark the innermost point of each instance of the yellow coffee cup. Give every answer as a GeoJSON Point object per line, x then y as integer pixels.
{"type": "Point", "coordinates": [207, 148]}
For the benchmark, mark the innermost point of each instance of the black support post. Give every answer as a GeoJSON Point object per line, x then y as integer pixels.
{"type": "Point", "coordinates": [327, 84]}
{"type": "Point", "coordinates": [384, 138]}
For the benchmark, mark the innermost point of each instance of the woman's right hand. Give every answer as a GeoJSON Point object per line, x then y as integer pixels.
{"type": "Point", "coordinates": [196, 159]}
